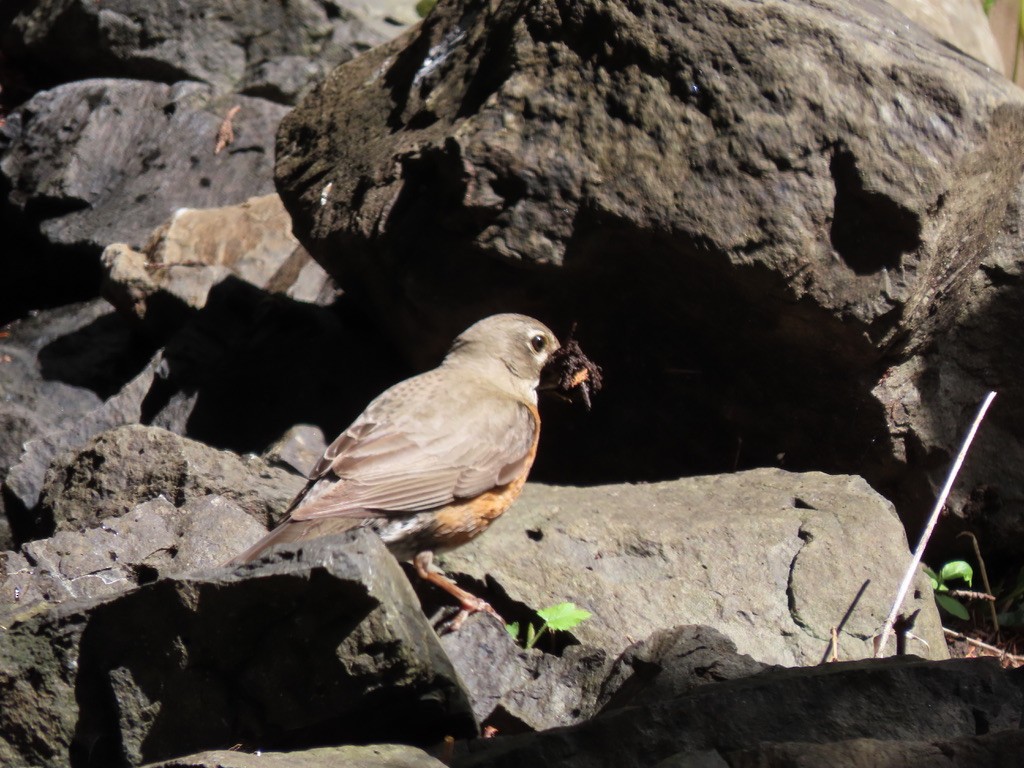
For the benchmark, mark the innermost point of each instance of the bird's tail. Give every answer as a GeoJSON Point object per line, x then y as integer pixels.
{"type": "Point", "coordinates": [291, 531]}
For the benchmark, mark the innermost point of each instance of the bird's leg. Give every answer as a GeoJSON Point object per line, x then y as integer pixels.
{"type": "Point", "coordinates": [469, 603]}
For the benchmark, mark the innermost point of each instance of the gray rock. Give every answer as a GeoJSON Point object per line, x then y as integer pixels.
{"type": "Point", "coordinates": [300, 448]}
{"type": "Point", "coordinates": [771, 560]}
{"type": "Point", "coordinates": [132, 464]}
{"type": "Point", "coordinates": [889, 699]}
{"type": "Point", "coordinates": [375, 756]}
{"type": "Point", "coordinates": [24, 482]}
{"type": "Point", "coordinates": [327, 643]}
{"type": "Point", "coordinates": [516, 690]}
{"type": "Point", "coordinates": [153, 539]}
{"type": "Point", "coordinates": [266, 49]}
{"type": "Point", "coordinates": [997, 749]}
{"type": "Point", "coordinates": [670, 663]}
{"type": "Point", "coordinates": [113, 159]}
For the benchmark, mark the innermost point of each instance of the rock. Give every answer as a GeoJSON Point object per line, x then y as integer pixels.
{"type": "Point", "coordinates": [375, 756]}
{"type": "Point", "coordinates": [55, 367]}
{"type": "Point", "coordinates": [516, 690]}
{"type": "Point", "coordinates": [300, 448]}
{"type": "Point", "coordinates": [154, 539]}
{"type": "Point", "coordinates": [267, 50]}
{"type": "Point", "coordinates": [960, 22]}
{"type": "Point", "coordinates": [670, 663]}
{"type": "Point", "coordinates": [930, 399]}
{"type": "Point", "coordinates": [105, 161]}
{"type": "Point", "coordinates": [771, 560]}
{"type": "Point", "coordinates": [710, 190]}
{"type": "Point", "coordinates": [890, 699]}
{"type": "Point", "coordinates": [198, 249]}
{"type": "Point", "coordinates": [133, 464]}
{"type": "Point", "coordinates": [996, 749]}
{"type": "Point", "coordinates": [285, 654]}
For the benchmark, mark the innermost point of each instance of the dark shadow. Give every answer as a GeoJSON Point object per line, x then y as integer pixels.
{"type": "Point", "coordinates": [258, 363]}
{"type": "Point", "coordinates": [870, 232]}
{"type": "Point", "coordinates": [103, 356]}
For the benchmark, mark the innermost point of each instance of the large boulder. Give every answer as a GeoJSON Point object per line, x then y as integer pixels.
{"type": "Point", "coordinates": [772, 560]}
{"type": "Point", "coordinates": [754, 213]}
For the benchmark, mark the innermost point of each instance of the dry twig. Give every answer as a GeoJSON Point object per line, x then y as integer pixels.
{"type": "Point", "coordinates": [979, 644]}
{"type": "Point", "coordinates": [915, 561]}
{"type": "Point", "coordinates": [984, 580]}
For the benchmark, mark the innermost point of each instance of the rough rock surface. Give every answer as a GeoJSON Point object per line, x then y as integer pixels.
{"type": "Point", "coordinates": [670, 663]}
{"type": "Point", "coordinates": [711, 189]}
{"type": "Point", "coordinates": [997, 749]}
{"type": "Point", "coordinates": [892, 699]}
{"type": "Point", "coordinates": [756, 555]}
{"type": "Point", "coordinates": [54, 368]}
{"type": "Point", "coordinates": [132, 464]}
{"type": "Point", "coordinates": [154, 539]}
{"type": "Point", "coordinates": [103, 161]}
{"type": "Point", "coordinates": [310, 647]}
{"type": "Point", "coordinates": [516, 690]}
{"type": "Point", "coordinates": [266, 49]}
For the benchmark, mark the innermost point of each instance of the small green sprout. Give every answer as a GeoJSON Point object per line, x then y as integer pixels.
{"type": "Point", "coordinates": [560, 617]}
{"type": "Point", "coordinates": [955, 569]}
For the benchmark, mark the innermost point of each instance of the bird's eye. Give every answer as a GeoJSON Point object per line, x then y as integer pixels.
{"type": "Point", "coordinates": [539, 342]}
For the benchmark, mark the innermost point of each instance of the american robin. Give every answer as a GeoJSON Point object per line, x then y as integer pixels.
{"type": "Point", "coordinates": [435, 459]}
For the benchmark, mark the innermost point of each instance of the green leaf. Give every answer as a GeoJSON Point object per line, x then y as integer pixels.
{"type": "Point", "coordinates": [950, 605]}
{"type": "Point", "coordinates": [986, 5]}
{"type": "Point", "coordinates": [423, 7]}
{"type": "Point", "coordinates": [957, 569]}
{"type": "Point", "coordinates": [563, 616]}
{"type": "Point", "coordinates": [513, 629]}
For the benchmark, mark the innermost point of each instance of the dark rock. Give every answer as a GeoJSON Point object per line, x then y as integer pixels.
{"type": "Point", "coordinates": [266, 49]}
{"type": "Point", "coordinates": [323, 645]}
{"type": "Point", "coordinates": [104, 161]}
{"type": "Point", "coordinates": [997, 749]}
{"type": "Point", "coordinates": [772, 560]}
{"type": "Point", "coordinates": [55, 366]}
{"type": "Point", "coordinates": [153, 539]}
{"type": "Point", "coordinates": [515, 690]}
{"type": "Point", "coordinates": [65, 417]}
{"type": "Point", "coordinates": [747, 229]}
{"type": "Point", "coordinates": [670, 663]}
{"type": "Point", "coordinates": [132, 464]}
{"type": "Point", "coordinates": [376, 756]}
{"type": "Point", "coordinates": [930, 399]}
{"type": "Point", "coordinates": [890, 699]}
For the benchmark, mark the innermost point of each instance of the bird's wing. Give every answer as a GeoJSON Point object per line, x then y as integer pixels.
{"type": "Point", "coordinates": [409, 454]}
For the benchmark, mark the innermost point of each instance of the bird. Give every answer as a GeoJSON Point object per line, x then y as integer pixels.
{"type": "Point", "coordinates": [435, 459]}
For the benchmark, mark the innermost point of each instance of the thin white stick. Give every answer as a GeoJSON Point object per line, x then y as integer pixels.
{"type": "Point", "coordinates": [939, 504]}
